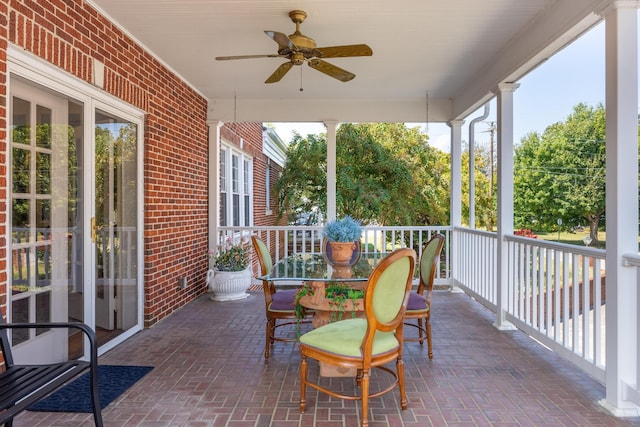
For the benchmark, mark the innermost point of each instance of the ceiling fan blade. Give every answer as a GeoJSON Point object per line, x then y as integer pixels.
{"type": "Point", "coordinates": [282, 39]}
{"type": "Point", "coordinates": [343, 51]}
{"type": "Point", "coordinates": [331, 70]}
{"type": "Point", "coordinates": [279, 73]}
{"type": "Point", "coordinates": [226, 58]}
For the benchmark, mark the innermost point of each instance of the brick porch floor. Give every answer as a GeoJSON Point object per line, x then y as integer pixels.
{"type": "Point", "coordinates": [209, 371]}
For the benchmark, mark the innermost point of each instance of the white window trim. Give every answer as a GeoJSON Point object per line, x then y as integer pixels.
{"type": "Point", "coordinates": [268, 176]}
{"type": "Point", "coordinates": [231, 150]}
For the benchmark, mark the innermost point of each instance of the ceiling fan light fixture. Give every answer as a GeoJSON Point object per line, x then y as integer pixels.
{"type": "Point", "coordinates": [297, 58]}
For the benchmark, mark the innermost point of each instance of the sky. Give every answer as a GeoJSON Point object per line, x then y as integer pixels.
{"type": "Point", "coordinates": [546, 95]}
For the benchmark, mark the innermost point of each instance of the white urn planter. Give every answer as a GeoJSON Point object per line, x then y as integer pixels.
{"type": "Point", "coordinates": [229, 285]}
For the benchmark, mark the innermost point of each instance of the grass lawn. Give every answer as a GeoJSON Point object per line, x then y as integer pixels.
{"type": "Point", "coordinates": [572, 238]}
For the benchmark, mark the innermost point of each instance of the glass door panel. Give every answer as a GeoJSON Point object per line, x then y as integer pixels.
{"type": "Point", "coordinates": [115, 223]}
{"type": "Point", "coordinates": [44, 219]}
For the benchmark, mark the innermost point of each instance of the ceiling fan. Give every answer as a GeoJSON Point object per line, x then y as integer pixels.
{"type": "Point", "coordinates": [298, 48]}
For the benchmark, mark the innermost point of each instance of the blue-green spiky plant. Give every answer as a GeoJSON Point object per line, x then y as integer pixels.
{"type": "Point", "coordinates": [346, 229]}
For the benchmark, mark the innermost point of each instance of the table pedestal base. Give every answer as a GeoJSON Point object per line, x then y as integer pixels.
{"type": "Point", "coordinates": [326, 311]}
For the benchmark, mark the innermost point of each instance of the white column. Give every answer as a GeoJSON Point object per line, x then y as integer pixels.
{"type": "Point", "coordinates": [456, 172]}
{"type": "Point", "coordinates": [455, 216]}
{"type": "Point", "coordinates": [621, 33]}
{"type": "Point", "coordinates": [214, 182]}
{"type": "Point", "coordinates": [331, 169]}
{"type": "Point", "coordinates": [504, 93]}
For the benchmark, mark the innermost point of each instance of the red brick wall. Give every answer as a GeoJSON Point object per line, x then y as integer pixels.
{"type": "Point", "coordinates": [68, 34]}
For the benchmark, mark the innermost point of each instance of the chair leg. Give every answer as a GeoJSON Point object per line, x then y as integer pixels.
{"type": "Point", "coordinates": [268, 338]}
{"type": "Point", "coordinates": [364, 396]}
{"type": "Point", "coordinates": [303, 383]}
{"type": "Point", "coordinates": [95, 398]}
{"type": "Point", "coordinates": [429, 344]}
{"type": "Point", "coordinates": [420, 333]}
{"type": "Point", "coordinates": [403, 392]}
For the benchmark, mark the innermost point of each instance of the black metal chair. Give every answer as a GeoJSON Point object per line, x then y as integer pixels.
{"type": "Point", "coordinates": [23, 385]}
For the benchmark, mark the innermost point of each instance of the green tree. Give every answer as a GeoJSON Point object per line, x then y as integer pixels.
{"type": "Point", "coordinates": [303, 182]}
{"type": "Point", "coordinates": [429, 169]}
{"type": "Point", "coordinates": [561, 173]}
{"type": "Point", "coordinates": [386, 173]}
{"type": "Point", "coordinates": [485, 201]}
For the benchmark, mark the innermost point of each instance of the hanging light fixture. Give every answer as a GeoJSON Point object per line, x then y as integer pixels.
{"type": "Point", "coordinates": [426, 112]}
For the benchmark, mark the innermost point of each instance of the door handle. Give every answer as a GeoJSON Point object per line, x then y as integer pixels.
{"type": "Point", "coordinates": [93, 229]}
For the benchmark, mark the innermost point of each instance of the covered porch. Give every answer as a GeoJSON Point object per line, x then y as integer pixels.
{"type": "Point", "coordinates": [209, 371]}
{"type": "Point", "coordinates": [509, 275]}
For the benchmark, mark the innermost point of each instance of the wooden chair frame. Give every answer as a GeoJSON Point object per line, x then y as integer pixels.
{"type": "Point", "coordinates": [275, 318]}
{"type": "Point", "coordinates": [429, 264]}
{"type": "Point", "coordinates": [367, 360]}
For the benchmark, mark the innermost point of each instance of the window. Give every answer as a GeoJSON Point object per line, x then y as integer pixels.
{"type": "Point", "coordinates": [247, 193]}
{"type": "Point", "coordinates": [267, 187]}
{"type": "Point", "coordinates": [224, 192]}
{"type": "Point", "coordinates": [236, 188]}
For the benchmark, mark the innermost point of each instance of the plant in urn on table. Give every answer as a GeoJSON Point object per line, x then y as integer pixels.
{"type": "Point", "coordinates": [342, 234]}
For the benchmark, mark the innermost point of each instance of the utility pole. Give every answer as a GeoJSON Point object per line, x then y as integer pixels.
{"type": "Point", "coordinates": [492, 131]}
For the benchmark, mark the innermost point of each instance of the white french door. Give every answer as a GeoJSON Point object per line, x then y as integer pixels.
{"type": "Point", "coordinates": [42, 218]}
{"type": "Point", "coordinates": [75, 223]}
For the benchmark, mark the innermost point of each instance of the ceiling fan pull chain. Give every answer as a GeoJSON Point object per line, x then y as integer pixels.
{"type": "Point", "coordinates": [301, 89]}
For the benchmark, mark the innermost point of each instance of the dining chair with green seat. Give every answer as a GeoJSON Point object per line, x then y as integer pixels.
{"type": "Point", "coordinates": [366, 343]}
{"type": "Point", "coordinates": [279, 304]}
{"type": "Point", "coordinates": [419, 308]}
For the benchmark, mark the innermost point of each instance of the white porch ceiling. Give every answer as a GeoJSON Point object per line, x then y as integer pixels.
{"type": "Point", "coordinates": [457, 51]}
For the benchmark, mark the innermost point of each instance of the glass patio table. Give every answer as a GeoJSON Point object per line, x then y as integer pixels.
{"type": "Point", "coordinates": [317, 267]}
{"type": "Point", "coordinates": [317, 271]}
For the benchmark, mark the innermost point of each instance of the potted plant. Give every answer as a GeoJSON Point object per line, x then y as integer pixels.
{"type": "Point", "coordinates": [341, 235]}
{"type": "Point", "coordinates": [230, 275]}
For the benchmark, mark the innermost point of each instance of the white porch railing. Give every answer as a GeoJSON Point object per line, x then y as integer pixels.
{"type": "Point", "coordinates": [286, 240]}
{"type": "Point", "coordinates": [475, 265]}
{"type": "Point", "coordinates": [555, 291]}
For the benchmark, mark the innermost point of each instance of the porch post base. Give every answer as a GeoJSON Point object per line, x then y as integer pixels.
{"type": "Point", "coordinates": [455, 290]}
{"type": "Point", "coordinates": [505, 326]}
{"type": "Point", "coordinates": [631, 411]}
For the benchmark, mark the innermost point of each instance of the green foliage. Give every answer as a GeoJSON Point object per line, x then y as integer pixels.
{"type": "Point", "coordinates": [231, 256]}
{"type": "Point", "coordinates": [561, 173]}
{"type": "Point", "coordinates": [338, 293]}
{"type": "Point", "coordinates": [386, 174]}
{"type": "Point", "coordinates": [23, 175]}
{"type": "Point", "coordinates": [302, 184]}
{"type": "Point", "coordinates": [113, 151]}
{"type": "Point", "coordinates": [485, 199]}
{"type": "Point", "coordinates": [346, 229]}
